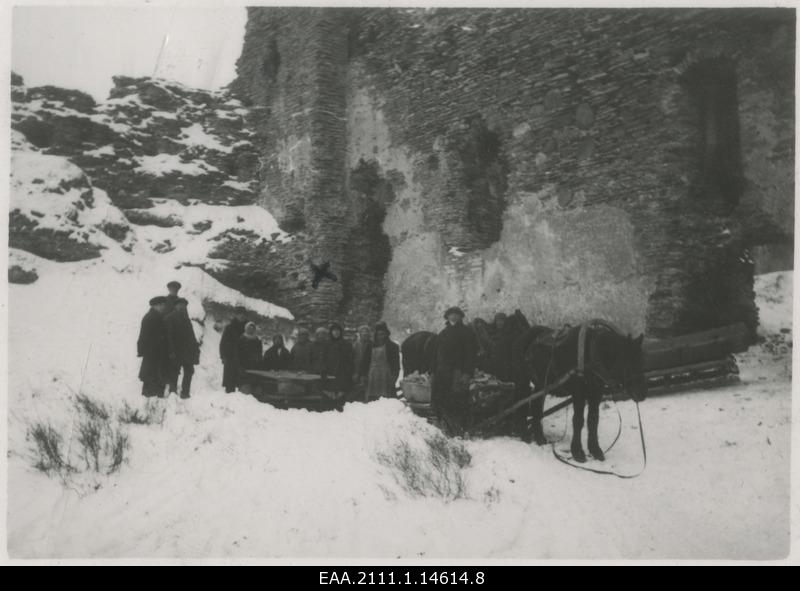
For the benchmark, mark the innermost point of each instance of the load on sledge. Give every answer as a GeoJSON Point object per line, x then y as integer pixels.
{"type": "Point", "coordinates": [487, 396]}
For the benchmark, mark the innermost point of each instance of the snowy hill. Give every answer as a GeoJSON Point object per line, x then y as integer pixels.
{"type": "Point", "coordinates": [179, 165]}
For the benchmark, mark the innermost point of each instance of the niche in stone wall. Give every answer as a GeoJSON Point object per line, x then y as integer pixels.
{"type": "Point", "coordinates": [718, 177]}
{"type": "Point", "coordinates": [368, 248]}
{"type": "Point", "coordinates": [478, 180]}
{"type": "Point", "coordinates": [272, 61]}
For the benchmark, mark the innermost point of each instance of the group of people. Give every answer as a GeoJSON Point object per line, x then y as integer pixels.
{"type": "Point", "coordinates": [364, 370]}
{"type": "Point", "coordinates": [167, 345]}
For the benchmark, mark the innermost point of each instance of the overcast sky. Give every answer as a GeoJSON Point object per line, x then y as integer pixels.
{"type": "Point", "coordinates": [82, 47]}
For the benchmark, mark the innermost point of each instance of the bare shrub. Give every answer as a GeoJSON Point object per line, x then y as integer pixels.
{"type": "Point", "coordinates": [94, 409]}
{"type": "Point", "coordinates": [99, 440]}
{"type": "Point", "coordinates": [434, 469]}
{"type": "Point", "coordinates": [90, 438]}
{"type": "Point", "coordinates": [103, 443]}
{"type": "Point", "coordinates": [48, 448]}
{"type": "Point", "coordinates": [151, 414]}
{"type": "Point", "coordinates": [119, 447]}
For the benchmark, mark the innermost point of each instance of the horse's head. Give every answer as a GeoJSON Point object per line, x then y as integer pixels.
{"type": "Point", "coordinates": [622, 361]}
{"type": "Point", "coordinates": [631, 366]}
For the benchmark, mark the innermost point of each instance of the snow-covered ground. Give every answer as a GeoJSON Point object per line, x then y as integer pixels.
{"type": "Point", "coordinates": [224, 476]}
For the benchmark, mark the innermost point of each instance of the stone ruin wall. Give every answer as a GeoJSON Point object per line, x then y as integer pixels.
{"type": "Point", "coordinates": [547, 160]}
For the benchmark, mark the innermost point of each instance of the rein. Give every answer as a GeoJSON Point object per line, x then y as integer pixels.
{"type": "Point", "coordinates": [580, 371]}
{"type": "Point", "coordinates": [603, 376]}
{"type": "Point", "coordinates": [619, 432]}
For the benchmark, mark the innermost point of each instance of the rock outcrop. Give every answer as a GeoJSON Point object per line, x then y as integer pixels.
{"type": "Point", "coordinates": [155, 155]}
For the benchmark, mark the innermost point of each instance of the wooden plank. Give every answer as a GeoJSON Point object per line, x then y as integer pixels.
{"type": "Point", "coordinates": [695, 367]}
{"type": "Point", "coordinates": [688, 353]}
{"type": "Point", "coordinates": [695, 348]}
{"type": "Point", "coordinates": [734, 334]}
{"type": "Point", "coordinates": [702, 384]}
{"type": "Point", "coordinates": [285, 375]}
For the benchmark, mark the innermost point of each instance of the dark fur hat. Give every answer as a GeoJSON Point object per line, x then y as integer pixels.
{"type": "Point", "coordinates": [454, 310]}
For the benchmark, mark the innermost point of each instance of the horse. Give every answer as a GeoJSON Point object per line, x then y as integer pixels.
{"type": "Point", "coordinates": [609, 358]}
{"type": "Point", "coordinates": [419, 349]}
{"type": "Point", "coordinates": [495, 343]}
{"type": "Point", "coordinates": [419, 352]}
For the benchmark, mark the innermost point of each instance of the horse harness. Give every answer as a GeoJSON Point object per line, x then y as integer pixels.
{"type": "Point", "coordinates": [580, 371]}
{"type": "Point", "coordinates": [582, 367]}
{"type": "Point", "coordinates": [596, 368]}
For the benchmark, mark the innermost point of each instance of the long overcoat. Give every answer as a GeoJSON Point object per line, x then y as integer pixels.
{"type": "Point", "coordinates": [153, 347]}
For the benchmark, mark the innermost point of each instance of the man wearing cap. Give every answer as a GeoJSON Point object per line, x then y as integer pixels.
{"type": "Point", "coordinates": [456, 355]}
{"type": "Point", "coordinates": [184, 346]}
{"type": "Point", "coordinates": [173, 287]}
{"type": "Point", "coordinates": [153, 348]}
{"type": "Point", "coordinates": [228, 349]}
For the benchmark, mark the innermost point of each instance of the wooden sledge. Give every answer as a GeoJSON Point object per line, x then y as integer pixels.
{"type": "Point", "coordinates": [698, 360]}
{"type": "Point", "coordinates": [292, 389]}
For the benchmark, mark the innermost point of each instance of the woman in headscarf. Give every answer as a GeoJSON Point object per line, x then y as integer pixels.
{"type": "Point", "coordinates": [277, 357]}
{"type": "Point", "coordinates": [381, 365]}
{"type": "Point", "coordinates": [249, 350]}
{"type": "Point", "coordinates": [360, 350]}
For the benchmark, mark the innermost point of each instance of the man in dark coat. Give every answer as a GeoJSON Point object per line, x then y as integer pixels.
{"type": "Point", "coordinates": [173, 287]}
{"type": "Point", "coordinates": [228, 349]}
{"type": "Point", "coordinates": [502, 338]}
{"type": "Point", "coordinates": [277, 357]}
{"type": "Point", "coordinates": [456, 355]}
{"type": "Point", "coordinates": [153, 348]}
{"type": "Point", "coordinates": [301, 352]}
{"type": "Point", "coordinates": [339, 360]}
{"type": "Point", "coordinates": [184, 346]}
{"type": "Point", "coordinates": [248, 355]}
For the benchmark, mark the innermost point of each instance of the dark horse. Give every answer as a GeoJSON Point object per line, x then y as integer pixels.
{"type": "Point", "coordinates": [419, 349]}
{"type": "Point", "coordinates": [419, 353]}
{"type": "Point", "coordinates": [610, 359]}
